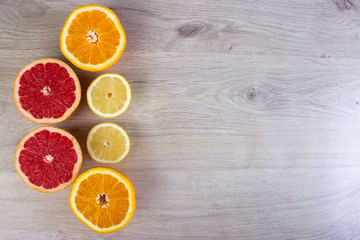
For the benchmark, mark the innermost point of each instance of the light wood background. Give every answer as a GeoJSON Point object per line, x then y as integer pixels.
{"type": "Point", "coordinates": [244, 122]}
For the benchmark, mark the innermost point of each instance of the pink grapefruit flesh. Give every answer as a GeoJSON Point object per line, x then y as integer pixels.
{"type": "Point", "coordinates": [48, 159]}
{"type": "Point", "coordinates": [47, 91]}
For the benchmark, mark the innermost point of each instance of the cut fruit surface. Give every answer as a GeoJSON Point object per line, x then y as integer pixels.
{"type": "Point", "coordinates": [48, 159]}
{"type": "Point", "coordinates": [109, 95]}
{"type": "Point", "coordinates": [92, 38]}
{"type": "Point", "coordinates": [103, 199]}
{"type": "Point", "coordinates": [47, 91]}
{"type": "Point", "coordinates": [107, 143]}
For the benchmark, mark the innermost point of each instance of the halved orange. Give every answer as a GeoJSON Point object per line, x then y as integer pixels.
{"type": "Point", "coordinates": [103, 199]}
{"type": "Point", "coordinates": [92, 38]}
{"type": "Point", "coordinates": [47, 91]}
{"type": "Point", "coordinates": [48, 159]}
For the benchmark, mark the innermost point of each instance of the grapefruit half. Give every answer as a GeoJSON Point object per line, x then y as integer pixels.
{"type": "Point", "coordinates": [48, 159]}
{"type": "Point", "coordinates": [47, 91]}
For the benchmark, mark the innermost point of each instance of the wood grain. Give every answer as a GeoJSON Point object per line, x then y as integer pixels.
{"type": "Point", "coordinates": [244, 121]}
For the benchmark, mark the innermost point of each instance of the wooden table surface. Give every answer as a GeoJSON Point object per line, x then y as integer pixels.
{"type": "Point", "coordinates": [244, 120]}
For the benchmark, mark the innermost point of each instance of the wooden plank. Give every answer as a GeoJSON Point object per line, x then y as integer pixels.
{"type": "Point", "coordinates": [244, 119]}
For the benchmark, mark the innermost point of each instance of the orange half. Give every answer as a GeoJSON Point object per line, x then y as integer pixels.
{"type": "Point", "coordinates": [103, 199]}
{"type": "Point", "coordinates": [92, 38]}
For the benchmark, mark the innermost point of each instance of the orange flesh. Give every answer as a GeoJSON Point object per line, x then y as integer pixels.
{"type": "Point", "coordinates": [103, 200]}
{"type": "Point", "coordinates": [92, 37]}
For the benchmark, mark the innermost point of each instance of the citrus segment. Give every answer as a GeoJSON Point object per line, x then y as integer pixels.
{"type": "Point", "coordinates": [47, 91]}
{"type": "Point", "coordinates": [107, 143]}
{"type": "Point", "coordinates": [109, 95]}
{"type": "Point", "coordinates": [92, 38]}
{"type": "Point", "coordinates": [48, 159]}
{"type": "Point", "coordinates": [103, 199]}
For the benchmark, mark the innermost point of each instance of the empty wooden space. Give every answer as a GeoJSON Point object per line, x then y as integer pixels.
{"type": "Point", "coordinates": [244, 121]}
